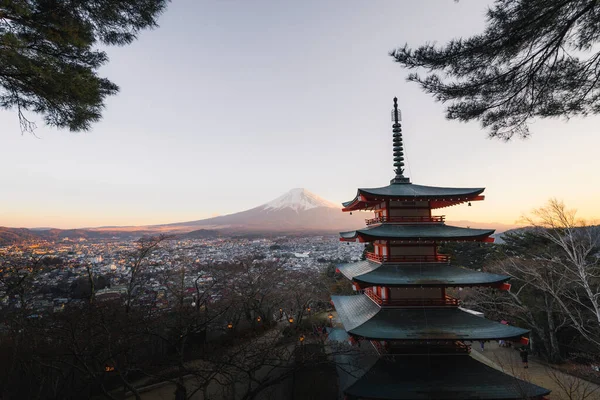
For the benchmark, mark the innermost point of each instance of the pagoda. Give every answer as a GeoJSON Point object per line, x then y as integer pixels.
{"type": "Point", "coordinates": [417, 334]}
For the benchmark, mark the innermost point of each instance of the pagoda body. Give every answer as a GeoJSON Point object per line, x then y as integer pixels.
{"type": "Point", "coordinates": [419, 334]}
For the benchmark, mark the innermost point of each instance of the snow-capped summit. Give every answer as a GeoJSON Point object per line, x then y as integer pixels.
{"type": "Point", "coordinates": [299, 199]}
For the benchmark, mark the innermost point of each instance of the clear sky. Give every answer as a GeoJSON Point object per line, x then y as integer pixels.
{"type": "Point", "coordinates": [231, 103]}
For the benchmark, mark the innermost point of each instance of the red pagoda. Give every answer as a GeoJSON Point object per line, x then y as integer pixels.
{"type": "Point", "coordinates": [418, 335]}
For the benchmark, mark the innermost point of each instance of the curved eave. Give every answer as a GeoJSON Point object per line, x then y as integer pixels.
{"type": "Point", "coordinates": [436, 377]}
{"type": "Point", "coordinates": [368, 273]}
{"type": "Point", "coordinates": [433, 324]}
{"type": "Point", "coordinates": [359, 203]}
{"type": "Point", "coordinates": [368, 321]}
{"type": "Point", "coordinates": [411, 191]}
{"type": "Point", "coordinates": [354, 269]}
{"type": "Point", "coordinates": [434, 204]}
{"type": "Point", "coordinates": [417, 233]}
{"type": "Point", "coordinates": [438, 196]}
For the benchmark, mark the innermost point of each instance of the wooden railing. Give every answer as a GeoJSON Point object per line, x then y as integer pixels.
{"type": "Point", "coordinates": [447, 301]}
{"type": "Point", "coordinates": [406, 220]}
{"type": "Point", "coordinates": [407, 258]}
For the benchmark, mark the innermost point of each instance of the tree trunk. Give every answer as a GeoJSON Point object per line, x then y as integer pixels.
{"type": "Point", "coordinates": [553, 350]}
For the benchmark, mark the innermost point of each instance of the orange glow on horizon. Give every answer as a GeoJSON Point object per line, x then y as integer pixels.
{"type": "Point", "coordinates": [494, 210]}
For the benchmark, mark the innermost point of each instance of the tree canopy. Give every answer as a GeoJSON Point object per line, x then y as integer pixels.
{"type": "Point", "coordinates": [48, 57]}
{"type": "Point", "coordinates": [535, 59]}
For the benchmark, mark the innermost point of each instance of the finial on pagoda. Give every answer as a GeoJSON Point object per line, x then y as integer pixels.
{"type": "Point", "coordinates": [398, 148]}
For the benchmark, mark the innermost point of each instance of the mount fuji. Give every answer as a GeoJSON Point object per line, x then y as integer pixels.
{"type": "Point", "coordinates": [298, 210]}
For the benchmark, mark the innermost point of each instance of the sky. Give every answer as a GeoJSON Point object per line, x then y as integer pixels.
{"type": "Point", "coordinates": [229, 104]}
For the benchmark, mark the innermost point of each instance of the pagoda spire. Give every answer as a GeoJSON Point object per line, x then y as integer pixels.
{"type": "Point", "coordinates": [398, 147]}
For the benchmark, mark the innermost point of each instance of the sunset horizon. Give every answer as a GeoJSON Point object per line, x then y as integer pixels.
{"type": "Point", "coordinates": [241, 134]}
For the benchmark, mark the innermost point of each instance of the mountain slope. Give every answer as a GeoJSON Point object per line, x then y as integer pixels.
{"type": "Point", "coordinates": [296, 210]}
{"type": "Point", "coordinates": [15, 235]}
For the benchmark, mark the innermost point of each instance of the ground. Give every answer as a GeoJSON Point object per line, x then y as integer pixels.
{"type": "Point", "coordinates": [563, 386]}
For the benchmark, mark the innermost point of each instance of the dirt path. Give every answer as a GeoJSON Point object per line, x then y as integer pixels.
{"type": "Point", "coordinates": [563, 386]}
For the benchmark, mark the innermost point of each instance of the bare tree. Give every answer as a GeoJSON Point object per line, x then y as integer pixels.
{"type": "Point", "coordinates": [146, 247]}
{"type": "Point", "coordinates": [256, 286]}
{"type": "Point", "coordinates": [115, 347]}
{"type": "Point", "coordinates": [86, 349]}
{"type": "Point", "coordinates": [538, 284]}
{"type": "Point", "coordinates": [572, 387]}
{"type": "Point", "coordinates": [17, 276]}
{"type": "Point", "coordinates": [193, 311]}
{"type": "Point", "coordinates": [303, 289]}
{"type": "Point", "coordinates": [577, 264]}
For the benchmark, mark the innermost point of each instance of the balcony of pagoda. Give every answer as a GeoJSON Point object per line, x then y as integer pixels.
{"type": "Point", "coordinates": [439, 258]}
{"type": "Point", "coordinates": [446, 301]}
{"type": "Point", "coordinates": [439, 219]}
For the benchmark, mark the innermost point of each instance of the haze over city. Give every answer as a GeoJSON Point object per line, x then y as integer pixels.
{"type": "Point", "coordinates": [220, 111]}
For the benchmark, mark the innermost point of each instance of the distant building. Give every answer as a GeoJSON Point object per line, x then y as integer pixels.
{"type": "Point", "coordinates": [110, 294]}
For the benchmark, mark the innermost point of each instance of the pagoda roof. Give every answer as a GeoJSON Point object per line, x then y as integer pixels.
{"type": "Point", "coordinates": [415, 274]}
{"type": "Point", "coordinates": [411, 192]}
{"type": "Point", "coordinates": [362, 317]}
{"type": "Point", "coordinates": [416, 232]}
{"type": "Point", "coordinates": [439, 377]}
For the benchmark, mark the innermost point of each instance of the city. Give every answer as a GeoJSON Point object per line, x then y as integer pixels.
{"type": "Point", "coordinates": [67, 262]}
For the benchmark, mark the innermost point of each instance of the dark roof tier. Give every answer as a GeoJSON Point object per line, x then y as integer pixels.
{"type": "Point", "coordinates": [371, 273]}
{"type": "Point", "coordinates": [440, 196]}
{"type": "Point", "coordinates": [437, 232]}
{"type": "Point", "coordinates": [362, 317]}
{"type": "Point", "coordinates": [439, 377]}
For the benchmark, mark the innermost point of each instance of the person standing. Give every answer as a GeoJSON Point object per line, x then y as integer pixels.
{"type": "Point", "coordinates": [524, 357]}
